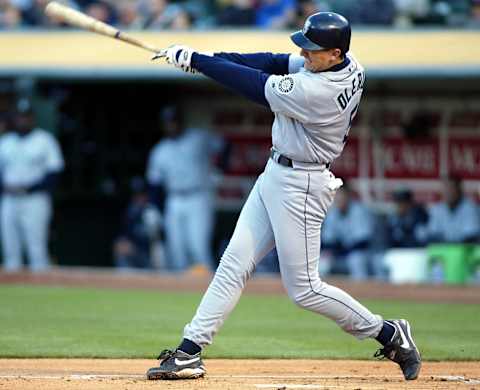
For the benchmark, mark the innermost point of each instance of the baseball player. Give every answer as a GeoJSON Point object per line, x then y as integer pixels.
{"type": "Point", "coordinates": [457, 219]}
{"type": "Point", "coordinates": [314, 99]}
{"type": "Point", "coordinates": [30, 163]}
{"type": "Point", "coordinates": [181, 163]}
{"type": "Point", "coordinates": [347, 231]}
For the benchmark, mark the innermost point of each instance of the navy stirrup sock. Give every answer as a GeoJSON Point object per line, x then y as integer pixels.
{"type": "Point", "coordinates": [386, 334]}
{"type": "Point", "coordinates": [189, 347]}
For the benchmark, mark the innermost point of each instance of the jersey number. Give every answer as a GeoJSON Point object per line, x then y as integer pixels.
{"type": "Point", "coordinates": [352, 116]}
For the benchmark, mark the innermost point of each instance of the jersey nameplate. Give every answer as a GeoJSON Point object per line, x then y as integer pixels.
{"type": "Point", "coordinates": [344, 97]}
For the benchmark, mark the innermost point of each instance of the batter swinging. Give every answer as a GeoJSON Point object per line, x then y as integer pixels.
{"type": "Point", "coordinates": [314, 97]}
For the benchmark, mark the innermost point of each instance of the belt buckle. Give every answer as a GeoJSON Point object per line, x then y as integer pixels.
{"type": "Point", "coordinates": [281, 159]}
{"type": "Point", "coordinates": [275, 155]}
{"type": "Point", "coordinates": [285, 161]}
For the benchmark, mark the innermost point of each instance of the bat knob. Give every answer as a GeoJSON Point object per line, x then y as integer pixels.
{"type": "Point", "coordinates": [160, 54]}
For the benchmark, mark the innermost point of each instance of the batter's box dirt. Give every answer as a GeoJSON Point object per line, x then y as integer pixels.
{"type": "Point", "coordinates": [98, 374]}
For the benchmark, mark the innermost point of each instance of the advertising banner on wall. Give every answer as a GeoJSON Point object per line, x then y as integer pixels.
{"type": "Point", "coordinates": [464, 156]}
{"type": "Point", "coordinates": [348, 164]}
{"type": "Point", "coordinates": [403, 158]}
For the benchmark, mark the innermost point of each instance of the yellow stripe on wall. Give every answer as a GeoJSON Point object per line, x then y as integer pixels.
{"type": "Point", "coordinates": [78, 50]}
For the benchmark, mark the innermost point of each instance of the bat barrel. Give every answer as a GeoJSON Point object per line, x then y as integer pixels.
{"type": "Point", "coordinates": [76, 18]}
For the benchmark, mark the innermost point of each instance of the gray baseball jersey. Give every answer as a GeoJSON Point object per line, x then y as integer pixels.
{"type": "Point", "coordinates": [314, 111]}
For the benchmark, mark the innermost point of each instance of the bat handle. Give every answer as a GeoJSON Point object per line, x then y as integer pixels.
{"type": "Point", "coordinates": [127, 38]}
{"type": "Point", "coordinates": [159, 54]}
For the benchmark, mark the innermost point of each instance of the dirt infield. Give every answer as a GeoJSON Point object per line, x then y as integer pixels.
{"type": "Point", "coordinates": [85, 374]}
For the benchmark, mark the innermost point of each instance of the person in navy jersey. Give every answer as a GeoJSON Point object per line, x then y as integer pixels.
{"type": "Point", "coordinates": [406, 226]}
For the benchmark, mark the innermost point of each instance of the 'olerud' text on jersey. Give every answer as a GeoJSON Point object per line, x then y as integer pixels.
{"type": "Point", "coordinates": [344, 97]}
{"type": "Point", "coordinates": [314, 111]}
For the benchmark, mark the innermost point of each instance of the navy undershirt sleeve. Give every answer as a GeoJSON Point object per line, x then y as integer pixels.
{"type": "Point", "coordinates": [266, 62]}
{"type": "Point", "coordinates": [242, 79]}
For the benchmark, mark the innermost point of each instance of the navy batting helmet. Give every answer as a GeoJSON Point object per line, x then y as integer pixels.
{"type": "Point", "coordinates": [324, 30]}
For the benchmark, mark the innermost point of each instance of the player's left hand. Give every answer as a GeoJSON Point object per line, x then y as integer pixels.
{"type": "Point", "coordinates": [178, 55]}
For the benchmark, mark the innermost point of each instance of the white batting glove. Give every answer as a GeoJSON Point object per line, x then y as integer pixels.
{"type": "Point", "coordinates": [178, 55]}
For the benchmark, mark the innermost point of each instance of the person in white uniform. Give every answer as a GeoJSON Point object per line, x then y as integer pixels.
{"type": "Point", "coordinates": [348, 231]}
{"type": "Point", "coordinates": [314, 98]}
{"type": "Point", "coordinates": [30, 163]}
{"type": "Point", "coordinates": [457, 219]}
{"type": "Point", "coordinates": [181, 164]}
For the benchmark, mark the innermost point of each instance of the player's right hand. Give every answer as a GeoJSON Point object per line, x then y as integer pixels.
{"type": "Point", "coordinates": [178, 55]}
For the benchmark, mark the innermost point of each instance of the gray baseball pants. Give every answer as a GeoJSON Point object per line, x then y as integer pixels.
{"type": "Point", "coordinates": [285, 209]}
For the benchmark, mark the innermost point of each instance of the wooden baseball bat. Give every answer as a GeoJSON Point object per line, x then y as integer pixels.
{"type": "Point", "coordinates": [78, 19]}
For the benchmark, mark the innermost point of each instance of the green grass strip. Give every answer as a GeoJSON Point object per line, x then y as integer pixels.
{"type": "Point", "coordinates": [104, 323]}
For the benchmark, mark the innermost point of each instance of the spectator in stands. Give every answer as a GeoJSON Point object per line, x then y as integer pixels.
{"type": "Point", "coordinates": [141, 228]}
{"type": "Point", "coordinates": [10, 16]}
{"type": "Point", "coordinates": [456, 220]}
{"type": "Point", "coordinates": [269, 14]}
{"type": "Point", "coordinates": [275, 14]}
{"type": "Point", "coordinates": [34, 15]}
{"type": "Point", "coordinates": [128, 16]}
{"type": "Point", "coordinates": [162, 15]}
{"type": "Point", "coordinates": [306, 8]}
{"type": "Point", "coordinates": [475, 14]}
{"type": "Point", "coordinates": [20, 4]}
{"type": "Point", "coordinates": [377, 12]}
{"type": "Point", "coordinates": [102, 11]}
{"type": "Point", "coordinates": [450, 12]}
{"type": "Point", "coordinates": [347, 232]}
{"type": "Point", "coordinates": [407, 224]}
{"type": "Point", "coordinates": [237, 13]}
{"type": "Point", "coordinates": [85, 3]}
{"type": "Point", "coordinates": [409, 12]}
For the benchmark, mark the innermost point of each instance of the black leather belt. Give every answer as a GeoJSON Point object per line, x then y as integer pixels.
{"type": "Point", "coordinates": [285, 161]}
{"type": "Point", "coordinates": [281, 159]}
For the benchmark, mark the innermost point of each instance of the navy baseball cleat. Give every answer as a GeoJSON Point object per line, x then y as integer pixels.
{"type": "Point", "coordinates": [402, 350]}
{"type": "Point", "coordinates": [177, 365]}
